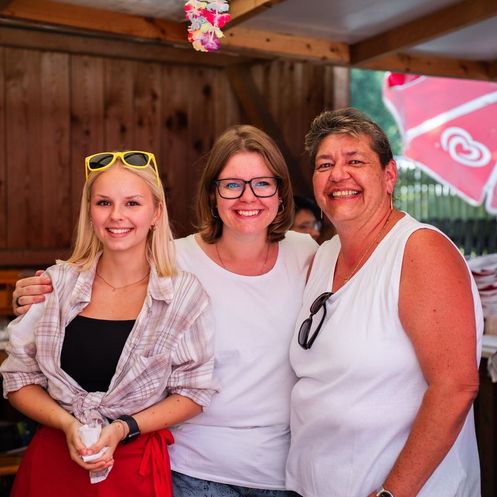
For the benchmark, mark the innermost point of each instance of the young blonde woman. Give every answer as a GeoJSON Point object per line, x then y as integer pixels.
{"type": "Point", "coordinates": [123, 341]}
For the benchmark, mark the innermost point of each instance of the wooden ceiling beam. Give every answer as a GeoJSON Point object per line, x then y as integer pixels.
{"type": "Point", "coordinates": [50, 12]}
{"type": "Point", "coordinates": [18, 36]}
{"type": "Point", "coordinates": [423, 29]}
{"type": "Point", "coordinates": [242, 10]}
{"type": "Point", "coordinates": [257, 42]}
{"type": "Point", "coordinates": [431, 66]}
{"type": "Point", "coordinates": [493, 70]}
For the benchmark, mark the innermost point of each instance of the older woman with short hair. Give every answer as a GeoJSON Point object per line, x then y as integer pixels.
{"type": "Point", "coordinates": [388, 341]}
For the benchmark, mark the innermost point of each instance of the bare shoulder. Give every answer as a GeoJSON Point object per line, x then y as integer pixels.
{"type": "Point", "coordinates": [428, 254]}
{"type": "Point", "coordinates": [435, 286]}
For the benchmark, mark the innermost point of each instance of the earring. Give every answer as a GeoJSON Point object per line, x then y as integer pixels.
{"type": "Point", "coordinates": [321, 218]}
{"type": "Point", "coordinates": [391, 201]}
{"type": "Point", "coordinates": [281, 207]}
{"type": "Point", "coordinates": [152, 227]}
{"type": "Point", "coordinates": [214, 212]}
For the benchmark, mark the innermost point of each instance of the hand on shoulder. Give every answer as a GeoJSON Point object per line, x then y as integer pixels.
{"type": "Point", "coordinates": [30, 291]}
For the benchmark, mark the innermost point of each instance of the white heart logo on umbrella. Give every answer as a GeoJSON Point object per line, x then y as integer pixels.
{"type": "Point", "coordinates": [463, 148]}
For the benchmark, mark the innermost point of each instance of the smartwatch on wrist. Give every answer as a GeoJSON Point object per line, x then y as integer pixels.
{"type": "Point", "coordinates": [381, 492]}
{"type": "Point", "coordinates": [133, 429]}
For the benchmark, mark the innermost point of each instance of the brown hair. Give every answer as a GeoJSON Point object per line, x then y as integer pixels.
{"type": "Point", "coordinates": [348, 121]}
{"type": "Point", "coordinates": [242, 138]}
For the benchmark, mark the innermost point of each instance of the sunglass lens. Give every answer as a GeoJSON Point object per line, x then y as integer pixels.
{"type": "Point", "coordinates": [304, 332]}
{"type": "Point", "coordinates": [136, 159]}
{"type": "Point", "coordinates": [319, 302]}
{"type": "Point", "coordinates": [99, 161]}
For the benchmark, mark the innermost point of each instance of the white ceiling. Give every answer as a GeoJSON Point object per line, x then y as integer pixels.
{"type": "Point", "coordinates": [342, 20]}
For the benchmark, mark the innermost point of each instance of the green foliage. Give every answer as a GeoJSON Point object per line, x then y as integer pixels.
{"type": "Point", "coordinates": [366, 95]}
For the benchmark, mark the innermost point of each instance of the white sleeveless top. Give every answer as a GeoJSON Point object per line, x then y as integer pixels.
{"type": "Point", "coordinates": [360, 385]}
{"type": "Point", "coordinates": [243, 436]}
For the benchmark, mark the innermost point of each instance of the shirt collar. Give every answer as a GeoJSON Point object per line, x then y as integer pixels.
{"type": "Point", "coordinates": [160, 288]}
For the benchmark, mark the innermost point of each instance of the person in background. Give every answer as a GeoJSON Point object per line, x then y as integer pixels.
{"type": "Point", "coordinates": [122, 343]}
{"type": "Point", "coordinates": [254, 272]}
{"type": "Point", "coordinates": [307, 217]}
{"type": "Point", "coordinates": [388, 341]}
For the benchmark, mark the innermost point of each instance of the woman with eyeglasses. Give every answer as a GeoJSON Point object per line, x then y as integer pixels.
{"type": "Point", "coordinates": [388, 340]}
{"type": "Point", "coordinates": [118, 352]}
{"type": "Point", "coordinates": [254, 273]}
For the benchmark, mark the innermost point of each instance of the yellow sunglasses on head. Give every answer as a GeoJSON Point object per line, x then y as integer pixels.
{"type": "Point", "coordinates": [134, 159]}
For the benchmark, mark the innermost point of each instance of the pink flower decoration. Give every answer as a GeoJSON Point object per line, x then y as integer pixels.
{"type": "Point", "coordinates": [206, 20]}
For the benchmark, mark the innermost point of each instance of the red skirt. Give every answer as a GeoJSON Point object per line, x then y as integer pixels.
{"type": "Point", "coordinates": [141, 469]}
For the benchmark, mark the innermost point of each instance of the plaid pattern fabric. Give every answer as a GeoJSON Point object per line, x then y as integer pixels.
{"type": "Point", "coordinates": [169, 350]}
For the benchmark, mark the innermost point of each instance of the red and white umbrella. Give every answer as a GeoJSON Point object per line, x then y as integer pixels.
{"type": "Point", "coordinates": [449, 129]}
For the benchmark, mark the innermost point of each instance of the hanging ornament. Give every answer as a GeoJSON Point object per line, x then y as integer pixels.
{"type": "Point", "coordinates": [206, 20]}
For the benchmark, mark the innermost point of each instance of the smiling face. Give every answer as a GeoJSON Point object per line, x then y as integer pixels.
{"type": "Point", "coordinates": [349, 181]}
{"type": "Point", "coordinates": [122, 210]}
{"type": "Point", "coordinates": [247, 215]}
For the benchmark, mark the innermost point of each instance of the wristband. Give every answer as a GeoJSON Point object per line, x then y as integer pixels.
{"type": "Point", "coordinates": [133, 429]}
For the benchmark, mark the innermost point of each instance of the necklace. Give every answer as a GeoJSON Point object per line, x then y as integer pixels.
{"type": "Point", "coordinates": [261, 271]}
{"type": "Point", "coordinates": [375, 240]}
{"type": "Point", "coordinates": [114, 288]}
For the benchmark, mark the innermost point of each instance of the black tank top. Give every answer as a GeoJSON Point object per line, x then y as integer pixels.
{"type": "Point", "coordinates": [91, 350]}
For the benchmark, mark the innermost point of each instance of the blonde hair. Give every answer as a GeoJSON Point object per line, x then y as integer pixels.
{"type": "Point", "coordinates": [237, 139]}
{"type": "Point", "coordinates": [160, 246]}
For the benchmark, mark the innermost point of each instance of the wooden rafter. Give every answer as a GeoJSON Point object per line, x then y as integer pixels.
{"type": "Point", "coordinates": [50, 12]}
{"type": "Point", "coordinates": [242, 10]}
{"type": "Point", "coordinates": [421, 30]}
{"type": "Point", "coordinates": [282, 45]}
{"type": "Point", "coordinates": [431, 66]}
{"type": "Point", "coordinates": [20, 36]}
{"type": "Point", "coordinates": [492, 69]}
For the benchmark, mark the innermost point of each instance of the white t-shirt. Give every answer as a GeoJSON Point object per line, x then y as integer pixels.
{"type": "Point", "coordinates": [360, 385]}
{"type": "Point", "coordinates": [243, 437]}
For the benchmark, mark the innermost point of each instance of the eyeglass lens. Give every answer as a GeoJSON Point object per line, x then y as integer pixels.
{"type": "Point", "coordinates": [232, 188]}
{"type": "Point", "coordinates": [305, 328]}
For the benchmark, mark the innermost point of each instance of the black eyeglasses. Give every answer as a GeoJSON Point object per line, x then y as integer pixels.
{"type": "Point", "coordinates": [304, 341]}
{"type": "Point", "coordinates": [232, 188]}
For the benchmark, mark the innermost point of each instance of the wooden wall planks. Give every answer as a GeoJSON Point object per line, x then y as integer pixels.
{"type": "Point", "coordinates": [3, 156]}
{"type": "Point", "coordinates": [58, 107]}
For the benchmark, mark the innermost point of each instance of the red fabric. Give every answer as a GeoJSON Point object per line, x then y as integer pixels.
{"type": "Point", "coordinates": [141, 469]}
{"type": "Point", "coordinates": [449, 130]}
